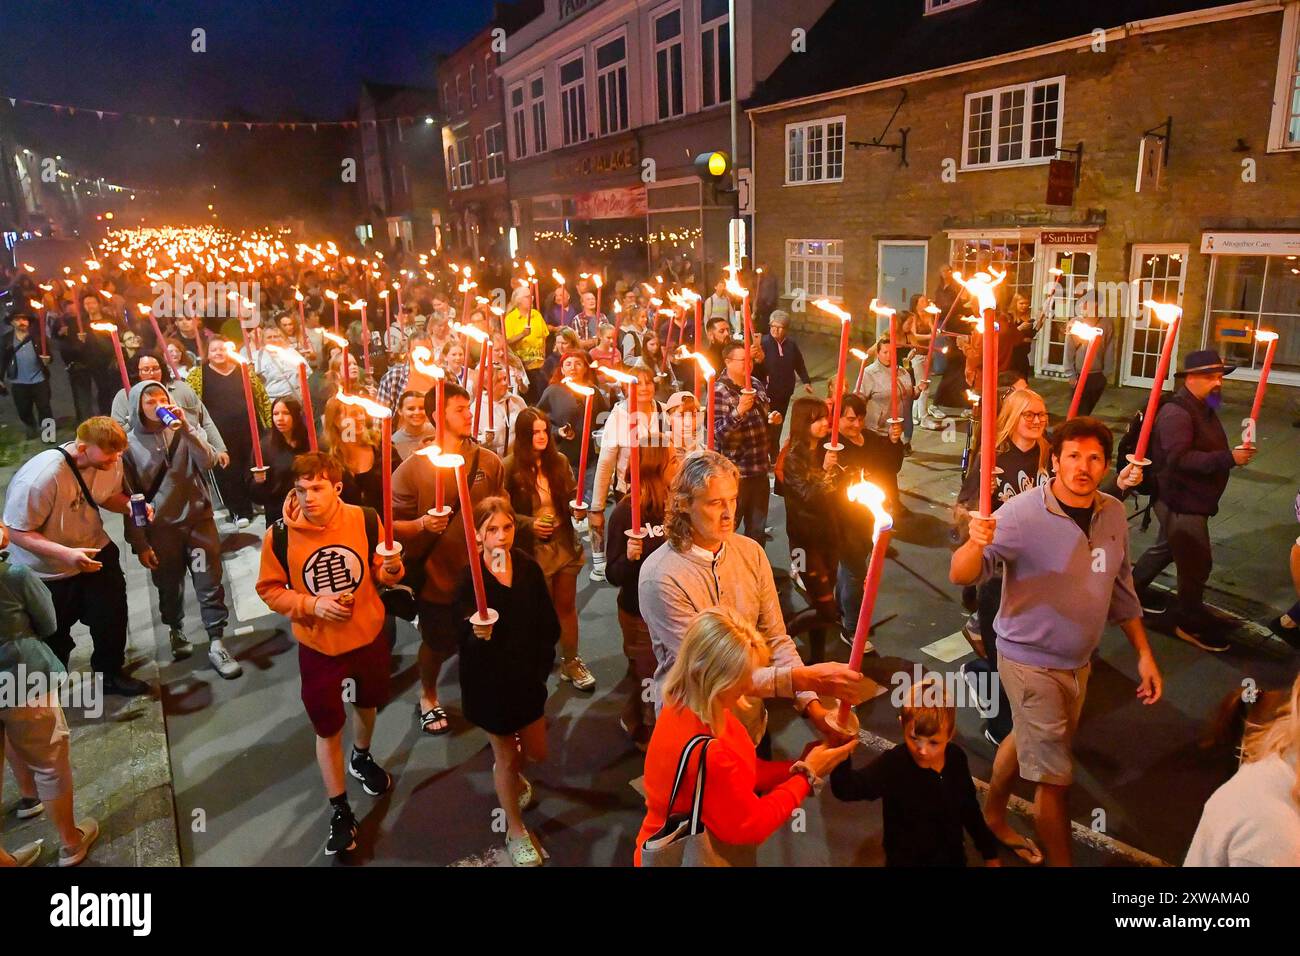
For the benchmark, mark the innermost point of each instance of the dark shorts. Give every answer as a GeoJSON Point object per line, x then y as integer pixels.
{"type": "Point", "coordinates": [359, 677]}
{"type": "Point", "coordinates": [440, 627]}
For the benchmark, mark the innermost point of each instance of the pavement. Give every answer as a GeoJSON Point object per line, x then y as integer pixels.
{"type": "Point", "coordinates": [214, 772]}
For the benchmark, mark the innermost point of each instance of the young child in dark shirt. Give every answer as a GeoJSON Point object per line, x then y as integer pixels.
{"type": "Point", "coordinates": [926, 786]}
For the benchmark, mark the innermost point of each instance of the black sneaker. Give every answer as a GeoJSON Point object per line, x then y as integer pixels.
{"type": "Point", "coordinates": [374, 778]}
{"type": "Point", "coordinates": [343, 832]}
{"type": "Point", "coordinates": [124, 686]}
{"type": "Point", "coordinates": [1289, 634]}
{"type": "Point", "coordinates": [1153, 602]}
{"type": "Point", "coordinates": [1205, 639]}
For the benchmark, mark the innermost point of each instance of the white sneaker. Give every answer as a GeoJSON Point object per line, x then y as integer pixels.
{"type": "Point", "coordinates": [242, 523]}
{"type": "Point", "coordinates": [225, 665]}
{"type": "Point", "coordinates": [598, 572]}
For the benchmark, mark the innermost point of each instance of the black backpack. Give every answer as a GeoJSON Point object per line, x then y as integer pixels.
{"type": "Point", "coordinates": [1128, 444]}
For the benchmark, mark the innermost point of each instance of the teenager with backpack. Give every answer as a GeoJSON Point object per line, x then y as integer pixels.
{"type": "Point", "coordinates": [320, 570]}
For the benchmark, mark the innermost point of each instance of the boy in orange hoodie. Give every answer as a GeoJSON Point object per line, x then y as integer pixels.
{"type": "Point", "coordinates": [330, 593]}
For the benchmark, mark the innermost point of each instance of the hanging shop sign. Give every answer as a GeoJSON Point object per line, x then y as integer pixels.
{"type": "Point", "coordinates": [610, 203]}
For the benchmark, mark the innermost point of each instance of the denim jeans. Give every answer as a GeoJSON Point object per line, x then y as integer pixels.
{"type": "Point", "coordinates": [751, 508]}
{"type": "Point", "coordinates": [848, 591]}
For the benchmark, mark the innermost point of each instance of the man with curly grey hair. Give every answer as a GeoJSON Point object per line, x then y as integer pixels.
{"type": "Point", "coordinates": [707, 564]}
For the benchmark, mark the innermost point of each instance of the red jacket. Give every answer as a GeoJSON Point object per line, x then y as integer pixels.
{"type": "Point", "coordinates": [733, 810]}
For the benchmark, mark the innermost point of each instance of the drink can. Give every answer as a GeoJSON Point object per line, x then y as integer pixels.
{"type": "Point", "coordinates": [167, 416]}
{"type": "Point", "coordinates": [139, 511]}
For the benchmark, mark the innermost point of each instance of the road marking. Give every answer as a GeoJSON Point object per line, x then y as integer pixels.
{"type": "Point", "coordinates": [948, 649]}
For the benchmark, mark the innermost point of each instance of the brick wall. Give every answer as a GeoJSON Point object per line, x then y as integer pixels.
{"type": "Point", "coordinates": [1216, 80]}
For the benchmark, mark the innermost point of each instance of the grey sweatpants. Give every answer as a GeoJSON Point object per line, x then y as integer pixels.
{"type": "Point", "coordinates": [197, 549]}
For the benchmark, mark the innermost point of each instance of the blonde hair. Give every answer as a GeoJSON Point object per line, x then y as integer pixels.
{"type": "Point", "coordinates": [335, 414]}
{"type": "Point", "coordinates": [719, 651]}
{"type": "Point", "coordinates": [1013, 406]}
{"type": "Point", "coordinates": [1280, 736]}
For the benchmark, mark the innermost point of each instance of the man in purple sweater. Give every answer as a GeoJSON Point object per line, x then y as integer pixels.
{"type": "Point", "coordinates": [1064, 549]}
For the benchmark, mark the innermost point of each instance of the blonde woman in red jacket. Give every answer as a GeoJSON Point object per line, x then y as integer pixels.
{"type": "Point", "coordinates": [746, 799]}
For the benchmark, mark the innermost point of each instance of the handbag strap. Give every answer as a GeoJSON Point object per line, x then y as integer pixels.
{"type": "Point", "coordinates": [701, 741]}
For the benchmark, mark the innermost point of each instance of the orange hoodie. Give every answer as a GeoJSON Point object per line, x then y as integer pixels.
{"type": "Point", "coordinates": [324, 560]}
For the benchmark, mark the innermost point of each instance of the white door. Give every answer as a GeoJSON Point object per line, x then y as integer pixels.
{"type": "Point", "coordinates": [899, 276]}
{"type": "Point", "coordinates": [1156, 272]}
{"type": "Point", "coordinates": [1074, 278]}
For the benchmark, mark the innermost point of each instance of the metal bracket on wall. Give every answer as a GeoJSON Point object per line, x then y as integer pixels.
{"type": "Point", "coordinates": [1166, 137]}
{"type": "Point", "coordinates": [1078, 160]}
{"type": "Point", "coordinates": [879, 142]}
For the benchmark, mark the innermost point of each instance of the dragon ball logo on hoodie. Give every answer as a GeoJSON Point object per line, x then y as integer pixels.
{"type": "Point", "coordinates": [333, 569]}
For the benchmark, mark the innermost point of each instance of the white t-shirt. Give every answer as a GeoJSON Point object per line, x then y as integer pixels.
{"type": "Point", "coordinates": [44, 496]}
{"type": "Point", "coordinates": [1252, 820]}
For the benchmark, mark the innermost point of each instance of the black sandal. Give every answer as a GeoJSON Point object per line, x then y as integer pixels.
{"type": "Point", "coordinates": [432, 716]}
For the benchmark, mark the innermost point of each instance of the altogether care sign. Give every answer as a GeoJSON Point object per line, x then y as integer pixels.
{"type": "Point", "coordinates": [1251, 243]}
{"type": "Point", "coordinates": [610, 203]}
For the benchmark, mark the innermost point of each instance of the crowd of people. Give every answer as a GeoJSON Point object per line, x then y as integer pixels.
{"type": "Point", "coordinates": [192, 420]}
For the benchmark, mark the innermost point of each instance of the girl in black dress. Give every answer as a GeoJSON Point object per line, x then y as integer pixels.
{"type": "Point", "coordinates": [284, 441]}
{"type": "Point", "coordinates": [504, 667]}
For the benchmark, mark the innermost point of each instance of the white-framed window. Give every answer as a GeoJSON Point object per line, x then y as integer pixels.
{"type": "Point", "coordinates": [611, 85]}
{"type": "Point", "coordinates": [670, 83]}
{"type": "Point", "coordinates": [489, 77]}
{"type": "Point", "coordinates": [537, 110]}
{"type": "Point", "coordinates": [1284, 130]}
{"type": "Point", "coordinates": [814, 151]}
{"type": "Point", "coordinates": [1255, 292]}
{"type": "Point", "coordinates": [715, 53]}
{"type": "Point", "coordinates": [942, 6]}
{"type": "Point", "coordinates": [460, 93]}
{"type": "Point", "coordinates": [451, 167]}
{"type": "Point", "coordinates": [480, 160]}
{"type": "Point", "coordinates": [518, 121]}
{"type": "Point", "coordinates": [573, 100]}
{"type": "Point", "coordinates": [495, 137]}
{"type": "Point", "coordinates": [464, 163]}
{"type": "Point", "coordinates": [1014, 125]}
{"type": "Point", "coordinates": [815, 266]}
{"type": "Point", "coordinates": [473, 87]}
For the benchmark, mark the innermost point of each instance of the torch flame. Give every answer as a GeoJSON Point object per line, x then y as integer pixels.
{"type": "Point", "coordinates": [103, 327]}
{"type": "Point", "coordinates": [528, 267]}
{"type": "Point", "coordinates": [873, 498]}
{"type": "Point", "coordinates": [617, 375]}
{"type": "Point", "coordinates": [932, 309]}
{"type": "Point", "coordinates": [372, 408]}
{"type": "Point", "coordinates": [422, 359]}
{"type": "Point", "coordinates": [1166, 312]}
{"type": "Point", "coordinates": [981, 286]}
{"type": "Point", "coordinates": [473, 331]}
{"type": "Point", "coordinates": [599, 283]}
{"type": "Point", "coordinates": [858, 354]}
{"type": "Point", "coordinates": [735, 288]}
{"type": "Point", "coordinates": [881, 309]}
{"type": "Point", "coordinates": [1083, 330]}
{"type": "Point", "coordinates": [584, 390]}
{"type": "Point", "coordinates": [338, 340]}
{"type": "Point", "coordinates": [331, 294]}
{"type": "Point", "coordinates": [298, 295]}
{"type": "Point", "coordinates": [972, 396]}
{"type": "Point", "coordinates": [287, 353]}
{"type": "Point", "coordinates": [705, 365]}
{"type": "Point", "coordinates": [830, 308]}
{"type": "Point", "coordinates": [1263, 335]}
{"type": "Point", "coordinates": [144, 309]}
{"type": "Point", "coordinates": [559, 279]}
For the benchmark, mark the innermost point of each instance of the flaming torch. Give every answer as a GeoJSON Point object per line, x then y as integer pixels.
{"type": "Point", "coordinates": [587, 392]}
{"type": "Point", "coordinates": [1250, 426]}
{"type": "Point", "coordinates": [389, 549]}
{"type": "Point", "coordinates": [830, 308]}
{"type": "Point", "coordinates": [632, 384]}
{"type": "Point", "coordinates": [1092, 335]}
{"type": "Point", "coordinates": [1171, 315]}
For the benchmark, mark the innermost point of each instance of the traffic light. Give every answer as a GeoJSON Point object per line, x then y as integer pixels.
{"type": "Point", "coordinates": [713, 166]}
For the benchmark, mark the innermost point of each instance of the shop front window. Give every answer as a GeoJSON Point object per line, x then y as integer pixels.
{"type": "Point", "coordinates": [1256, 292]}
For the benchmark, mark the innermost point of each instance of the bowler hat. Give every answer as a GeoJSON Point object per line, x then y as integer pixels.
{"type": "Point", "coordinates": [1204, 362]}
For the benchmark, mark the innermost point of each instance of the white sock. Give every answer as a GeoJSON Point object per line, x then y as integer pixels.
{"type": "Point", "coordinates": [215, 645]}
{"type": "Point", "coordinates": [597, 557]}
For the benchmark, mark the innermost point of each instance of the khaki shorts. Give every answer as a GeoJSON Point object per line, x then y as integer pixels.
{"type": "Point", "coordinates": [39, 738]}
{"type": "Point", "coordinates": [1045, 708]}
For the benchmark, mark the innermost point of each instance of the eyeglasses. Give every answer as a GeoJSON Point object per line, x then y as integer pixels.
{"type": "Point", "coordinates": [1034, 416]}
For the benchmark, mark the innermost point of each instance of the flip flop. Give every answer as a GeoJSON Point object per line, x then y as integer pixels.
{"type": "Point", "coordinates": [433, 716]}
{"type": "Point", "coordinates": [1025, 849]}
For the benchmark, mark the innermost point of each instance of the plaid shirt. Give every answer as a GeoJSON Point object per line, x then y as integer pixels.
{"type": "Point", "coordinates": [393, 384]}
{"type": "Point", "coordinates": [742, 438]}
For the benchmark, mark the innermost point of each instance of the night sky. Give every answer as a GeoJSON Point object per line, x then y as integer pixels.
{"type": "Point", "coordinates": [280, 60]}
{"type": "Point", "coordinates": [286, 57]}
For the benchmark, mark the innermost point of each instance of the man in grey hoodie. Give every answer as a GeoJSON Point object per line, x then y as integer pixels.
{"type": "Point", "coordinates": [166, 464]}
